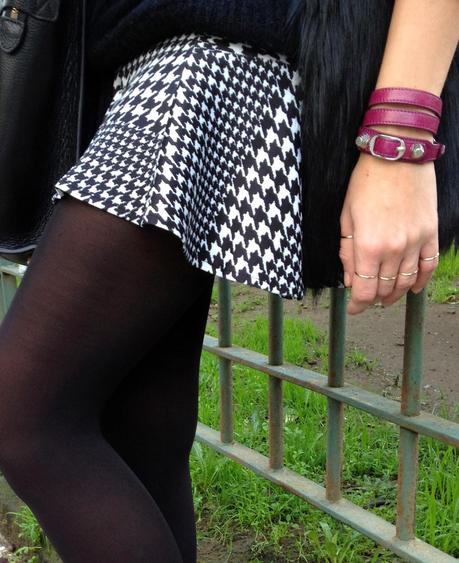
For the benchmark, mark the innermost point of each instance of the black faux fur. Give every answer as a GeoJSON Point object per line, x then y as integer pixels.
{"type": "Point", "coordinates": [339, 54]}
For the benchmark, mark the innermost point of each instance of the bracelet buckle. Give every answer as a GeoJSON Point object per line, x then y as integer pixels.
{"type": "Point", "coordinates": [400, 149]}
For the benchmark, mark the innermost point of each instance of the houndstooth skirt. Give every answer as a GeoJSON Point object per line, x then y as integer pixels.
{"type": "Point", "coordinates": [202, 138]}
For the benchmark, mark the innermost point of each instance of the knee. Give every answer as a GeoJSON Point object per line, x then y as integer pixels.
{"type": "Point", "coordinates": [24, 431]}
{"type": "Point", "coordinates": [21, 444]}
{"type": "Point", "coordinates": [22, 461]}
{"type": "Point", "coordinates": [30, 452]}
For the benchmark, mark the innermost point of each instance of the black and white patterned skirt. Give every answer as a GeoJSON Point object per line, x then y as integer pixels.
{"type": "Point", "coordinates": [202, 138]}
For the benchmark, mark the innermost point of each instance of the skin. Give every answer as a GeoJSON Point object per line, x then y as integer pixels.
{"type": "Point", "coordinates": [391, 207]}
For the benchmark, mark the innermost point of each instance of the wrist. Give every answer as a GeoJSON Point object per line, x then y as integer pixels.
{"type": "Point", "coordinates": [369, 162]}
{"type": "Point", "coordinates": [401, 132]}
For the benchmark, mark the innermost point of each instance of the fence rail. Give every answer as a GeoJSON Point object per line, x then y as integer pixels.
{"type": "Point", "coordinates": [412, 422]}
{"type": "Point", "coordinates": [400, 539]}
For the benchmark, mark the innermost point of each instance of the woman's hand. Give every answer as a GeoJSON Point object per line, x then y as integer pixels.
{"type": "Point", "coordinates": [390, 208]}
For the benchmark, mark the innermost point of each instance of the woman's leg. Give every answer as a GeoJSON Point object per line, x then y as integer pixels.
{"type": "Point", "coordinates": [97, 295]}
{"type": "Point", "coordinates": [151, 420]}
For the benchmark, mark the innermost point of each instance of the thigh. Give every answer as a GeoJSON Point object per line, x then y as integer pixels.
{"type": "Point", "coordinates": [97, 294]}
{"type": "Point", "coordinates": [151, 417]}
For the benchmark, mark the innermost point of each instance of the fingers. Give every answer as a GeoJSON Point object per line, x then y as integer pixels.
{"type": "Point", "coordinates": [346, 251]}
{"type": "Point", "coordinates": [364, 278]}
{"type": "Point", "coordinates": [428, 261]}
{"type": "Point", "coordinates": [424, 261]}
{"type": "Point", "coordinates": [388, 276]}
{"type": "Point", "coordinates": [386, 273]}
{"type": "Point", "coordinates": [406, 278]}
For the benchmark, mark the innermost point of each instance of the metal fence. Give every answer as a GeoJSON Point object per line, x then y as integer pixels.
{"type": "Point", "coordinates": [400, 538]}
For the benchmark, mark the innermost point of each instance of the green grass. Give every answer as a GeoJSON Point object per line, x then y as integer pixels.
{"type": "Point", "coordinates": [32, 537]}
{"type": "Point", "coordinates": [358, 359]}
{"type": "Point", "coordinates": [231, 500]}
{"type": "Point", "coordinates": [444, 286]}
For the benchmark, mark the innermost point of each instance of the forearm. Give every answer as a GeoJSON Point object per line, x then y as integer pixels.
{"type": "Point", "coordinates": [423, 36]}
{"type": "Point", "coordinates": [421, 42]}
{"type": "Point", "coordinates": [392, 209]}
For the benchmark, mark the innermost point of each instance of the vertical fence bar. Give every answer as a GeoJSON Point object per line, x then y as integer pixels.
{"type": "Point", "coordinates": [225, 366]}
{"type": "Point", "coordinates": [276, 406]}
{"type": "Point", "coordinates": [7, 289]}
{"type": "Point", "coordinates": [335, 409]}
{"type": "Point", "coordinates": [410, 406]}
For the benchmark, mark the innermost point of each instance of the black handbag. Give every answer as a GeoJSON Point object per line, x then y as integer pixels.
{"type": "Point", "coordinates": [41, 86]}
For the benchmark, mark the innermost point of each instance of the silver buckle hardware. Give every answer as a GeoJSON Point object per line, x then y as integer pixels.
{"type": "Point", "coordinates": [442, 148]}
{"type": "Point", "coordinates": [400, 149]}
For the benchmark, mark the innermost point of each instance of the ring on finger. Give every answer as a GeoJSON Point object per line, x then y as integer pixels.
{"type": "Point", "coordinates": [365, 276]}
{"type": "Point", "coordinates": [408, 273]}
{"type": "Point", "coordinates": [430, 257]}
{"type": "Point", "coordinates": [347, 236]}
{"type": "Point", "coordinates": [387, 277]}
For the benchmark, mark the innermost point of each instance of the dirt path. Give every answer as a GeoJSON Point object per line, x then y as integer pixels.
{"type": "Point", "coordinates": [378, 333]}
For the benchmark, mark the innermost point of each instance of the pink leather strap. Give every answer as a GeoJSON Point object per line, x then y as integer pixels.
{"type": "Point", "coordinates": [411, 96]}
{"type": "Point", "coordinates": [406, 117]}
{"type": "Point", "coordinates": [397, 147]}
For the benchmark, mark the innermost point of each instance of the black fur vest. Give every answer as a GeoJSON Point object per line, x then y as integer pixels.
{"type": "Point", "coordinates": [340, 49]}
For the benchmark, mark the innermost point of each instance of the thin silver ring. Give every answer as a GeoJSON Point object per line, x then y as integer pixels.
{"type": "Point", "coordinates": [347, 236]}
{"type": "Point", "coordinates": [408, 273]}
{"type": "Point", "coordinates": [430, 257]}
{"type": "Point", "coordinates": [387, 277]}
{"type": "Point", "coordinates": [365, 276]}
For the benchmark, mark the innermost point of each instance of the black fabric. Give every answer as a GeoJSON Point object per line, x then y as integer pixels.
{"type": "Point", "coordinates": [323, 38]}
{"type": "Point", "coordinates": [39, 91]}
{"type": "Point", "coordinates": [99, 383]}
{"type": "Point", "coordinates": [332, 36]}
{"type": "Point", "coordinates": [118, 30]}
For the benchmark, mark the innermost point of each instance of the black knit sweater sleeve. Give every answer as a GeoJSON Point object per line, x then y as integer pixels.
{"type": "Point", "coordinates": [118, 30]}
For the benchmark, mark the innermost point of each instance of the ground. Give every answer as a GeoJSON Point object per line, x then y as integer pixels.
{"type": "Point", "coordinates": [378, 334]}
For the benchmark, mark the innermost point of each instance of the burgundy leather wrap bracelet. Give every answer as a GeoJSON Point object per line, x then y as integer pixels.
{"type": "Point", "coordinates": [405, 117]}
{"type": "Point", "coordinates": [400, 147]}
{"type": "Point", "coordinates": [410, 96]}
{"type": "Point", "coordinates": [393, 147]}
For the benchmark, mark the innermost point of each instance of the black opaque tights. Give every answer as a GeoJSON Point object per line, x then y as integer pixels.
{"type": "Point", "coordinates": [99, 364]}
